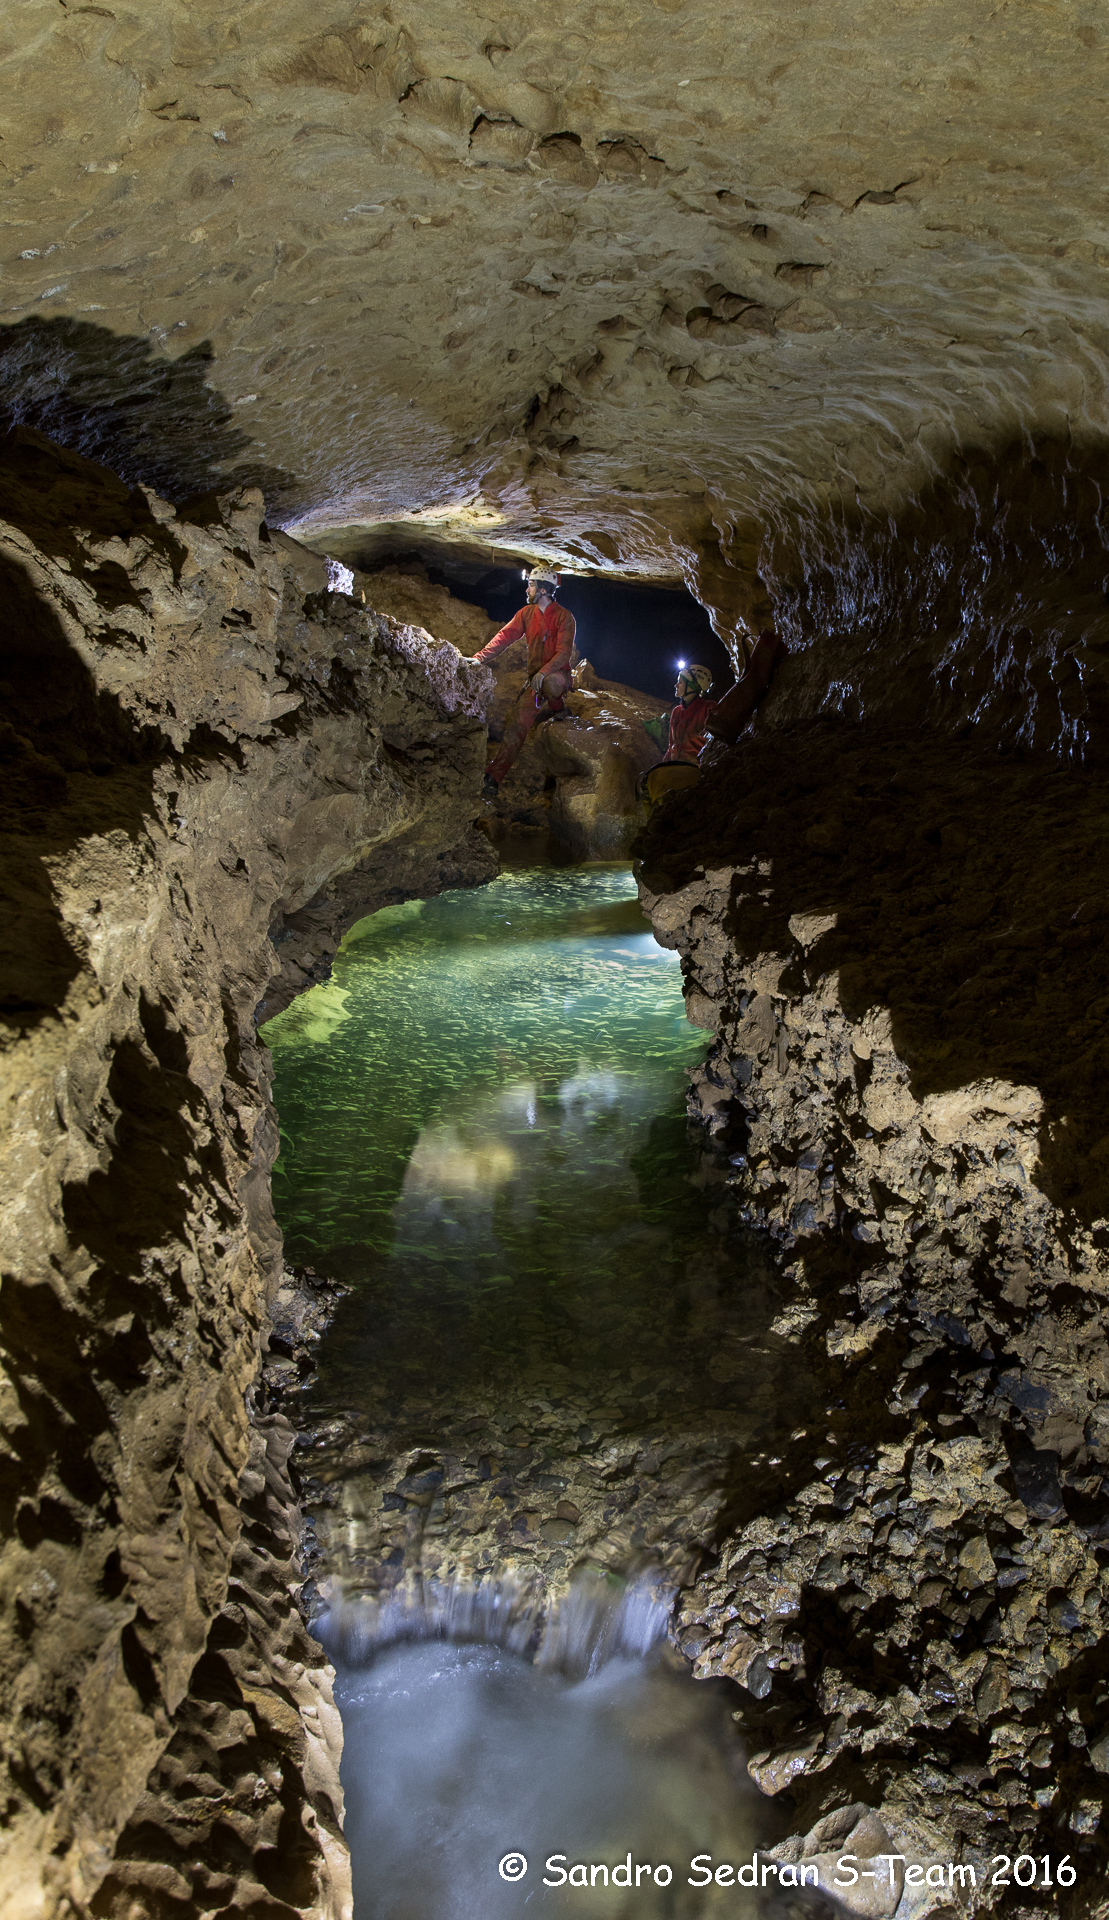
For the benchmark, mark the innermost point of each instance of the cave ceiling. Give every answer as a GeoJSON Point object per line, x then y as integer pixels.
{"type": "Point", "coordinates": [614, 282]}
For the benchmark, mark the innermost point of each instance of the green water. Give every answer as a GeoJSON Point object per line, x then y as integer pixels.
{"type": "Point", "coordinates": [555, 1362]}
{"type": "Point", "coordinates": [483, 1136]}
{"type": "Point", "coordinates": [510, 1040]}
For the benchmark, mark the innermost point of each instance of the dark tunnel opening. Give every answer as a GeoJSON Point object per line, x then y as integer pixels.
{"type": "Point", "coordinates": [634, 633]}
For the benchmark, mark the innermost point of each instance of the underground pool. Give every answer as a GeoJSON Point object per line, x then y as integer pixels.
{"type": "Point", "coordinates": [550, 1360]}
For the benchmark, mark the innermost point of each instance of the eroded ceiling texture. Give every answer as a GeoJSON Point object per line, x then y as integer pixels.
{"type": "Point", "coordinates": [802, 304]}
{"type": "Point", "coordinates": [651, 285]}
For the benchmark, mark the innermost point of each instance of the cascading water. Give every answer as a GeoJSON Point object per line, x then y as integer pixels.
{"type": "Point", "coordinates": [597, 1764]}
{"type": "Point", "coordinates": [549, 1375]}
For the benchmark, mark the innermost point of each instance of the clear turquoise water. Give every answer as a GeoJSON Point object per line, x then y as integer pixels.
{"type": "Point", "coordinates": [483, 1132]}
{"type": "Point", "coordinates": [483, 1136]}
{"type": "Point", "coordinates": [524, 1025]}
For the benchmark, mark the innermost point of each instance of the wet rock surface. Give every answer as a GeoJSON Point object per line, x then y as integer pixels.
{"type": "Point", "coordinates": [576, 777]}
{"type": "Point", "coordinates": [421, 1472]}
{"type": "Point", "coordinates": [896, 942]}
{"type": "Point", "coordinates": [197, 740]}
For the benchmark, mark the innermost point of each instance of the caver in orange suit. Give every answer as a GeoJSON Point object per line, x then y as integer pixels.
{"type": "Point", "coordinates": [549, 633]}
{"type": "Point", "coordinates": [689, 728]}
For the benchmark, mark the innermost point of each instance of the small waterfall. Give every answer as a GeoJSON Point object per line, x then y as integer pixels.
{"type": "Point", "coordinates": [491, 1613]}
{"type": "Point", "coordinates": [499, 1752]}
{"type": "Point", "coordinates": [603, 1617]}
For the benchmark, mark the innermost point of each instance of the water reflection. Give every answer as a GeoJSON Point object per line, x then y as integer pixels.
{"type": "Point", "coordinates": [433, 1007]}
{"type": "Point", "coordinates": [551, 1354]}
{"type": "Point", "coordinates": [552, 1365]}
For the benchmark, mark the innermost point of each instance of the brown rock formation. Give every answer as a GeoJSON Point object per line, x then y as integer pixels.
{"type": "Point", "coordinates": [633, 285]}
{"type": "Point", "coordinates": [896, 937]}
{"type": "Point", "coordinates": [804, 307]}
{"type": "Point", "coordinates": [198, 742]}
{"type": "Point", "coordinates": [576, 777]}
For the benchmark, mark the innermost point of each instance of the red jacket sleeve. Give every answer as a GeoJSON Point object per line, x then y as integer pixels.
{"type": "Point", "coordinates": [503, 639]}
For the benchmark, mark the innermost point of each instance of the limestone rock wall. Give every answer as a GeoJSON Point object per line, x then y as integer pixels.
{"type": "Point", "coordinates": [198, 741]}
{"type": "Point", "coordinates": [897, 939]}
{"type": "Point", "coordinates": [981, 608]}
{"type": "Point", "coordinates": [617, 284]}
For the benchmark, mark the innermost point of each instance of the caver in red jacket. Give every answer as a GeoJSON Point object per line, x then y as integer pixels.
{"type": "Point", "coordinates": [689, 728]}
{"type": "Point", "coordinates": [549, 632]}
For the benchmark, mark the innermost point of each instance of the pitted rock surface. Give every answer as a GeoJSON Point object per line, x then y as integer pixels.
{"type": "Point", "coordinates": [198, 741]}
{"type": "Point", "coordinates": [627, 284]}
{"type": "Point", "coordinates": [805, 308]}
{"type": "Point", "coordinates": [904, 1094]}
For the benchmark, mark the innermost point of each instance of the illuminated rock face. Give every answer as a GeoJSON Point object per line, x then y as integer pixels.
{"type": "Point", "coordinates": [805, 307]}
{"type": "Point", "coordinates": [629, 284]}
{"type": "Point", "coordinates": [198, 741]}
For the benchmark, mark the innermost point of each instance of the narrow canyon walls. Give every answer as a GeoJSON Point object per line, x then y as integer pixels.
{"type": "Point", "coordinates": [198, 741]}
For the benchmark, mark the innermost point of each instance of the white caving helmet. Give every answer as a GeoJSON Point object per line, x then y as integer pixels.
{"type": "Point", "coordinates": [545, 576]}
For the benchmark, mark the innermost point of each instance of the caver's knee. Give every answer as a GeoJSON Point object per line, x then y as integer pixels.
{"type": "Point", "coordinates": [555, 685]}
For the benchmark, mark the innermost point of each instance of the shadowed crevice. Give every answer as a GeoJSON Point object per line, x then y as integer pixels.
{"type": "Point", "coordinates": [968, 895]}
{"type": "Point", "coordinates": [116, 399]}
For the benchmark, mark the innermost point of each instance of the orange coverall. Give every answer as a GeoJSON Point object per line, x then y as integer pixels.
{"type": "Point", "coordinates": [550, 642]}
{"type": "Point", "coordinates": [689, 728]}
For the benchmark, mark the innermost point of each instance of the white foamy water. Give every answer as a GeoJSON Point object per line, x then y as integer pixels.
{"type": "Point", "coordinates": [458, 1755]}
{"type": "Point", "coordinates": [600, 1617]}
{"type": "Point", "coordinates": [475, 1730]}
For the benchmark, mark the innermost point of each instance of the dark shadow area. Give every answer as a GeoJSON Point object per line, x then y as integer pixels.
{"type": "Point", "coordinates": [75, 765]}
{"type": "Point", "coordinates": [630, 633]}
{"type": "Point", "coordinates": [117, 399]}
{"type": "Point", "coordinates": [985, 604]}
{"type": "Point", "coordinates": [55, 720]}
{"type": "Point", "coordinates": [143, 1197]}
{"type": "Point", "coordinates": [84, 1358]}
{"type": "Point", "coordinates": [72, 760]}
{"type": "Point", "coordinates": [971, 898]}
{"type": "Point", "coordinates": [52, 493]}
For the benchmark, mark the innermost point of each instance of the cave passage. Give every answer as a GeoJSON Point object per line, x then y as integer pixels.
{"type": "Point", "coordinates": [550, 1365]}
{"type": "Point", "coordinates": [631, 631]}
